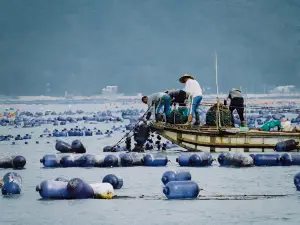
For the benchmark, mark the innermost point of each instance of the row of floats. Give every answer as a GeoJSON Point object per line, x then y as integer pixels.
{"type": "Point", "coordinates": [185, 160]}
{"type": "Point", "coordinates": [138, 159]}
{"type": "Point", "coordinates": [177, 185]}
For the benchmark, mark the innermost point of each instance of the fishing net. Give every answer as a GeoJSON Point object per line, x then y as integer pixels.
{"type": "Point", "coordinates": [225, 116]}
{"type": "Point", "coordinates": [178, 116]}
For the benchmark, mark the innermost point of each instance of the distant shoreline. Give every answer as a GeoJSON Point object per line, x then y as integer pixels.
{"type": "Point", "coordinates": [107, 99]}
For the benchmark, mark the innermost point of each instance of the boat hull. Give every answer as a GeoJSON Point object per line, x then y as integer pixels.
{"type": "Point", "coordinates": [210, 139]}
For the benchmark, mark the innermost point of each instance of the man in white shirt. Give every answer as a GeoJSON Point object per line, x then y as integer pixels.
{"type": "Point", "coordinates": [194, 93]}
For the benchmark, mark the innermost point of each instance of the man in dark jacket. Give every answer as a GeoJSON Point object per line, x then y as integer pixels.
{"type": "Point", "coordinates": [236, 103]}
{"type": "Point", "coordinates": [177, 96]}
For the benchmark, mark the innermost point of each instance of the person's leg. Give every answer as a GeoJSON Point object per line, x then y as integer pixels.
{"type": "Point", "coordinates": [197, 102]}
{"type": "Point", "coordinates": [167, 104]}
{"type": "Point", "coordinates": [232, 108]}
{"type": "Point", "coordinates": [240, 111]}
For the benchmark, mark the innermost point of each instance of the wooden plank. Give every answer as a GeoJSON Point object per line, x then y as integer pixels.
{"type": "Point", "coordinates": [227, 145]}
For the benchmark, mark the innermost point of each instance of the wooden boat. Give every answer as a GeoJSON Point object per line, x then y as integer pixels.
{"type": "Point", "coordinates": [211, 139]}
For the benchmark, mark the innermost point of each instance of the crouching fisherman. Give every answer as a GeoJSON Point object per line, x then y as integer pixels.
{"type": "Point", "coordinates": [177, 96]}
{"type": "Point", "coordinates": [157, 101]}
{"type": "Point", "coordinates": [236, 103]}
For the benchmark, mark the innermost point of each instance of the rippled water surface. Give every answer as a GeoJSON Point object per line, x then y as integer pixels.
{"type": "Point", "coordinates": [154, 208]}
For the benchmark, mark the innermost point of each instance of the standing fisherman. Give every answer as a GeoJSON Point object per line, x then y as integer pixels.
{"type": "Point", "coordinates": [157, 101]}
{"type": "Point", "coordinates": [236, 103]}
{"type": "Point", "coordinates": [194, 92]}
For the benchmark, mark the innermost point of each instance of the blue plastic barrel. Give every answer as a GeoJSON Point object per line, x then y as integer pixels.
{"type": "Point", "coordinates": [78, 147]}
{"type": "Point", "coordinates": [71, 133]}
{"type": "Point", "coordinates": [18, 162]}
{"type": "Point", "coordinates": [99, 160]}
{"type": "Point", "coordinates": [175, 176]}
{"type": "Point", "coordinates": [63, 147]}
{"type": "Point", "coordinates": [290, 159]}
{"type": "Point", "coordinates": [155, 160]}
{"type": "Point", "coordinates": [267, 160]}
{"type": "Point", "coordinates": [181, 189]}
{"type": "Point", "coordinates": [88, 133]}
{"type": "Point", "coordinates": [114, 180]}
{"type": "Point", "coordinates": [131, 159]}
{"type": "Point", "coordinates": [12, 184]}
{"type": "Point", "coordinates": [201, 159]}
{"type": "Point", "coordinates": [107, 149]}
{"type": "Point", "coordinates": [184, 159]}
{"type": "Point", "coordinates": [236, 159]}
{"type": "Point", "coordinates": [297, 181]}
{"type": "Point", "coordinates": [86, 160]}
{"type": "Point", "coordinates": [111, 161]}
{"type": "Point", "coordinates": [53, 189]}
{"type": "Point", "coordinates": [286, 146]}
{"type": "Point", "coordinates": [50, 161]}
{"type": "Point", "coordinates": [69, 161]}
{"type": "Point", "coordinates": [79, 189]}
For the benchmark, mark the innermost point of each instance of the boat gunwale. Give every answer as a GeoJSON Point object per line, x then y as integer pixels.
{"type": "Point", "coordinates": [222, 133]}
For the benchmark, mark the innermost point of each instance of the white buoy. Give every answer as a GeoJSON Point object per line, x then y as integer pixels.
{"type": "Point", "coordinates": [103, 190]}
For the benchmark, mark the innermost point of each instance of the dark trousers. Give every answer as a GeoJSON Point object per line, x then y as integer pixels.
{"type": "Point", "coordinates": [238, 104]}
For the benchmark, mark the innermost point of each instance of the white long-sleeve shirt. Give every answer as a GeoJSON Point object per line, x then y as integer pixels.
{"type": "Point", "coordinates": [192, 88]}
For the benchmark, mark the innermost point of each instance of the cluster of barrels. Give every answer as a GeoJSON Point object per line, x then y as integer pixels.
{"type": "Point", "coordinates": [111, 160]}
{"type": "Point", "coordinates": [76, 188]}
{"type": "Point", "coordinates": [179, 185]}
{"type": "Point", "coordinates": [61, 188]}
{"type": "Point", "coordinates": [239, 159]}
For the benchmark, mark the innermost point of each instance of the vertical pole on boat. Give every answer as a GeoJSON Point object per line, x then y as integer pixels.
{"type": "Point", "coordinates": [218, 119]}
{"type": "Point", "coordinates": [245, 105]}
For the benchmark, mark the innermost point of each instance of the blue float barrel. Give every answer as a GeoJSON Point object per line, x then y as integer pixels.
{"type": "Point", "coordinates": [286, 146]}
{"type": "Point", "coordinates": [114, 180]}
{"type": "Point", "coordinates": [63, 147]}
{"type": "Point", "coordinates": [78, 147]}
{"type": "Point", "coordinates": [107, 149]}
{"type": "Point", "coordinates": [71, 133]}
{"type": "Point", "coordinates": [99, 161]}
{"type": "Point", "coordinates": [175, 176]}
{"type": "Point", "coordinates": [155, 160]}
{"type": "Point", "coordinates": [290, 159]}
{"type": "Point", "coordinates": [86, 160]}
{"type": "Point", "coordinates": [12, 184]}
{"type": "Point", "coordinates": [201, 159]}
{"type": "Point", "coordinates": [267, 160]}
{"type": "Point", "coordinates": [50, 161]}
{"type": "Point", "coordinates": [184, 159]}
{"type": "Point", "coordinates": [79, 189]}
{"type": "Point", "coordinates": [131, 159]}
{"type": "Point", "coordinates": [88, 133]}
{"type": "Point", "coordinates": [181, 189]}
{"type": "Point", "coordinates": [235, 159]}
{"type": "Point", "coordinates": [69, 161]}
{"type": "Point", "coordinates": [53, 189]}
{"type": "Point", "coordinates": [111, 161]}
{"type": "Point", "coordinates": [297, 181]}
{"type": "Point", "coordinates": [16, 162]}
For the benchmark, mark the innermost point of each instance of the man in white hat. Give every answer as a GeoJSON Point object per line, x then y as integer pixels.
{"type": "Point", "coordinates": [194, 92]}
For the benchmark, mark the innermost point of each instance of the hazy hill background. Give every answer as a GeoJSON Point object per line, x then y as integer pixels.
{"type": "Point", "coordinates": [49, 46]}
